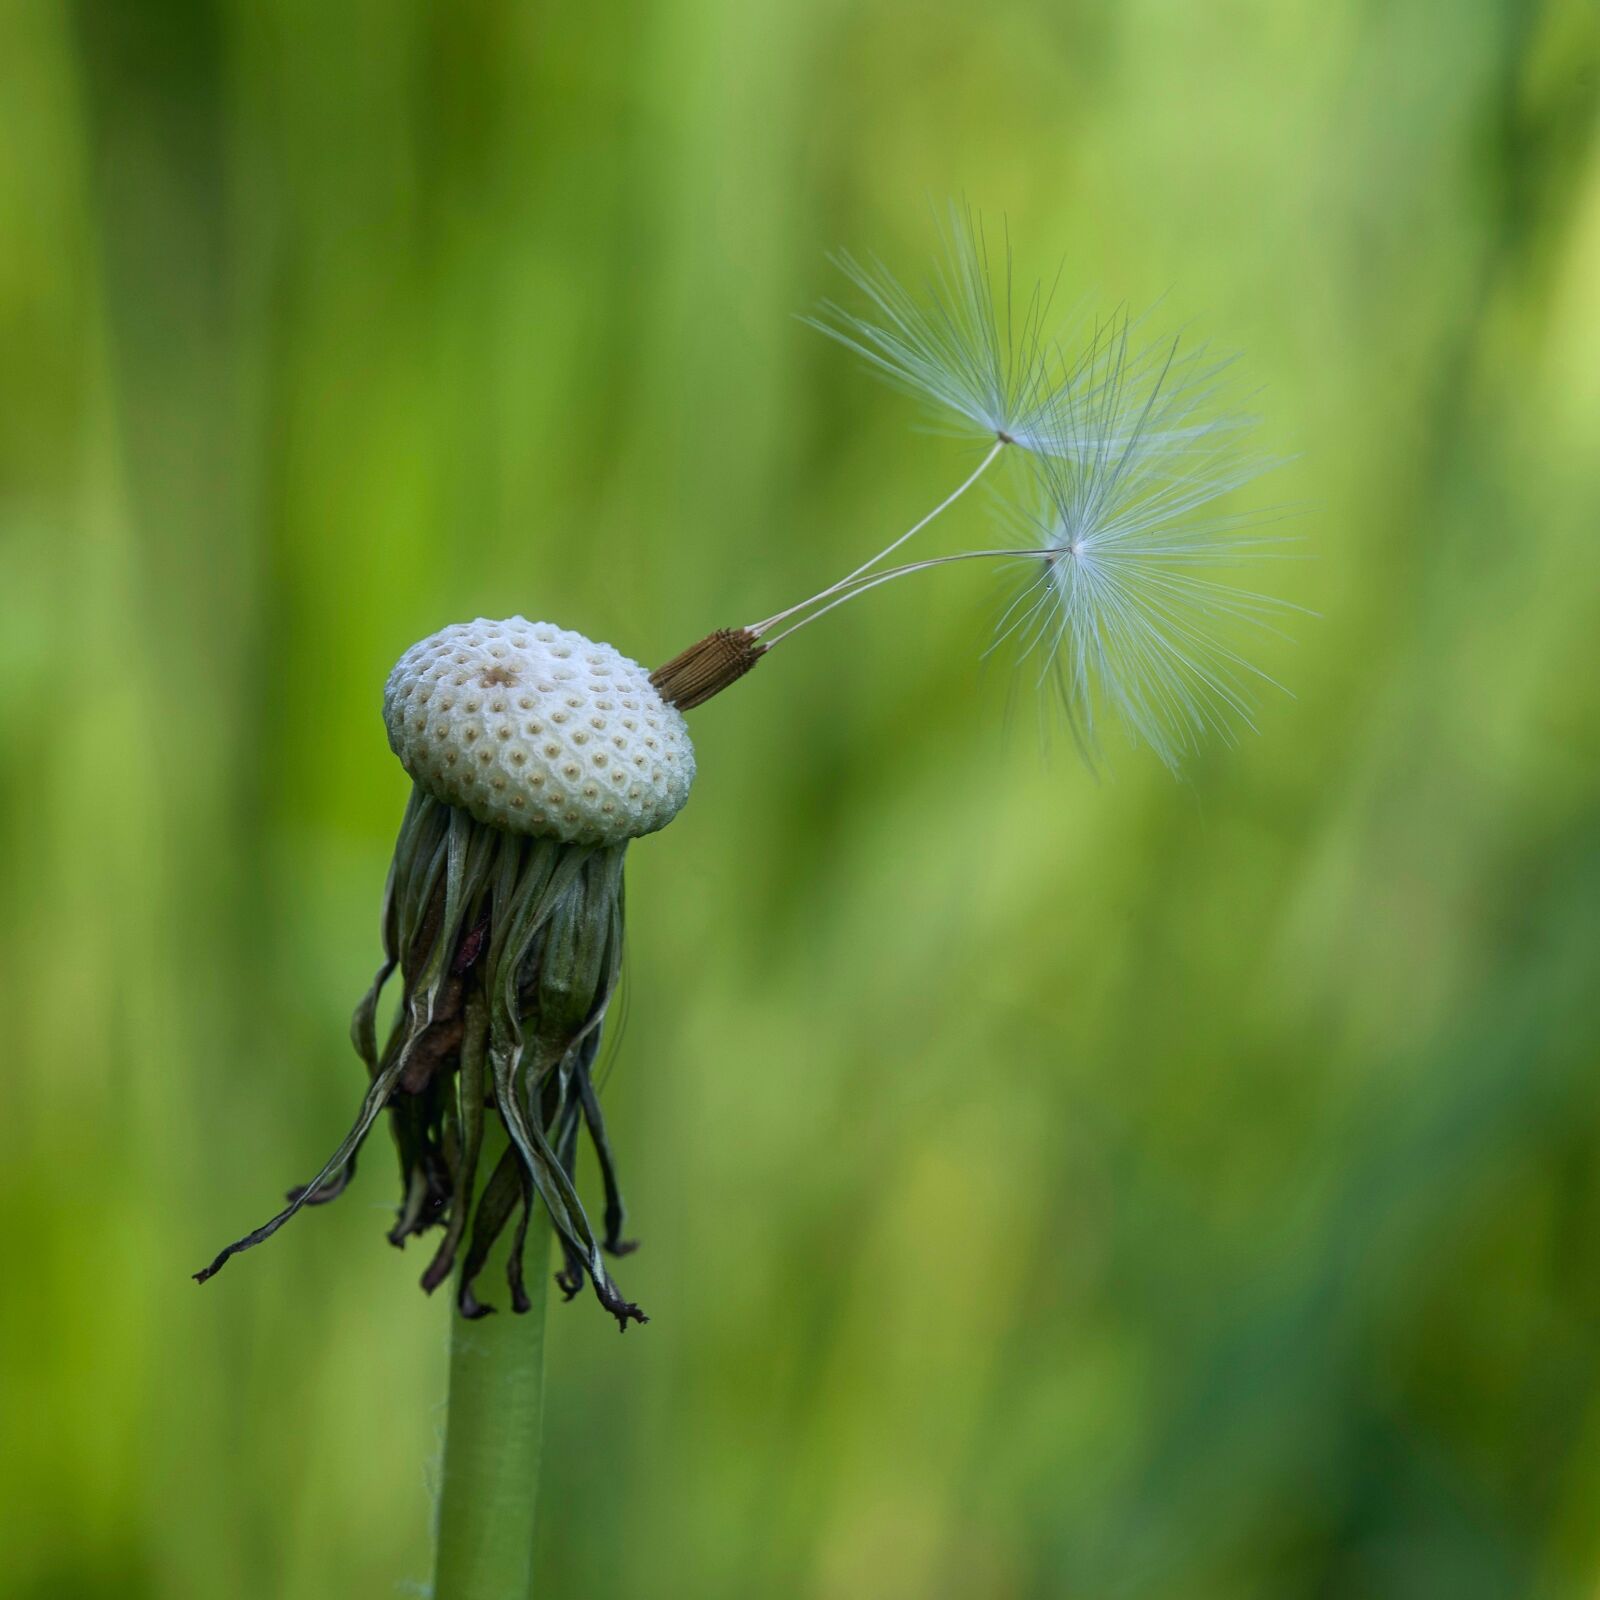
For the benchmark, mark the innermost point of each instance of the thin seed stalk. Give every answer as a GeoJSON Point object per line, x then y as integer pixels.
{"type": "Point", "coordinates": [720, 659]}
{"type": "Point", "coordinates": [757, 629]}
{"type": "Point", "coordinates": [489, 1483]}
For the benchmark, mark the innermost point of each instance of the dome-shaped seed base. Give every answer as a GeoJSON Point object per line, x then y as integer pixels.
{"type": "Point", "coordinates": [535, 729]}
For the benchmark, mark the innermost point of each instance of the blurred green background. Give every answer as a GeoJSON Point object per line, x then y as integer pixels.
{"type": "Point", "coordinates": [1050, 1187]}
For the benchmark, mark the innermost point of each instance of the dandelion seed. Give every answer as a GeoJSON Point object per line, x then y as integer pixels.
{"type": "Point", "coordinates": [965, 346]}
{"type": "Point", "coordinates": [1127, 608]}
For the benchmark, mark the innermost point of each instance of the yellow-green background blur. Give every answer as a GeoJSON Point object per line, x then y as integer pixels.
{"type": "Point", "coordinates": [1131, 1190]}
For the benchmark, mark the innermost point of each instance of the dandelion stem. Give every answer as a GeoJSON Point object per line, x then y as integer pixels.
{"type": "Point", "coordinates": [759, 628]}
{"type": "Point", "coordinates": [489, 1484]}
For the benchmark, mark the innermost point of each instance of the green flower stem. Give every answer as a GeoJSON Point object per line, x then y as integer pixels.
{"type": "Point", "coordinates": [488, 1491]}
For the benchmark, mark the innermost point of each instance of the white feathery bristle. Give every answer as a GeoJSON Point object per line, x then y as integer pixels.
{"type": "Point", "coordinates": [1134, 611]}
{"type": "Point", "coordinates": [963, 342]}
{"type": "Point", "coordinates": [535, 729]}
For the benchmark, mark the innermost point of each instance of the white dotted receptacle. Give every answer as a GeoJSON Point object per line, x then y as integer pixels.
{"type": "Point", "coordinates": [536, 729]}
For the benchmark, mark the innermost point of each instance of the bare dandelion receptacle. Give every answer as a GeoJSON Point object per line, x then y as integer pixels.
{"type": "Point", "coordinates": [538, 730]}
